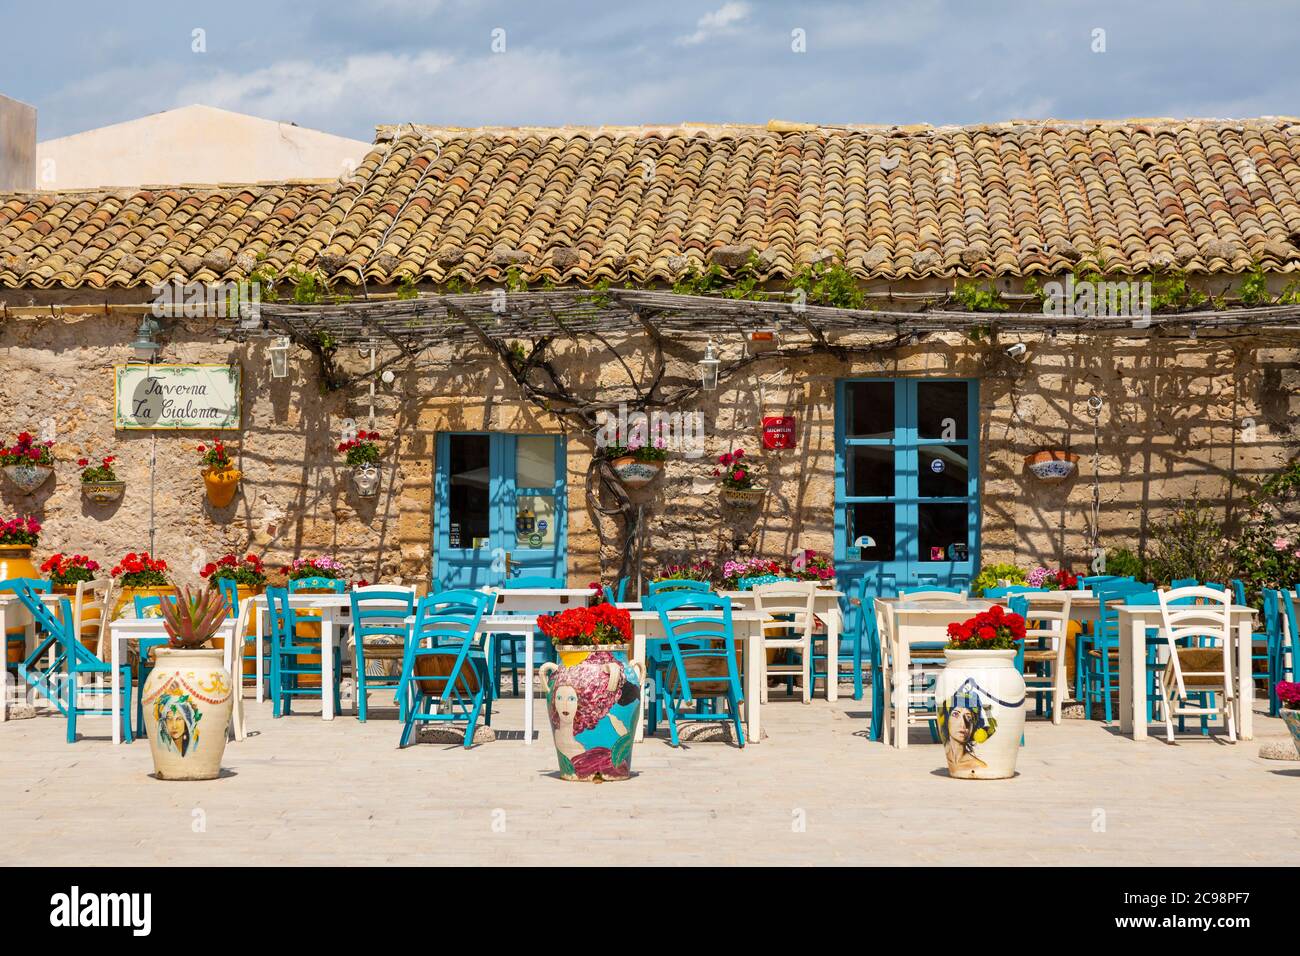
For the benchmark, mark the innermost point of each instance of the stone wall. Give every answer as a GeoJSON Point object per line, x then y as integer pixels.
{"type": "Point", "coordinates": [1178, 418]}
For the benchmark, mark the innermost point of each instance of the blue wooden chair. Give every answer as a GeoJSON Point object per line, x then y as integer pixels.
{"type": "Point", "coordinates": [145, 606]}
{"type": "Point", "coordinates": [1272, 634]}
{"type": "Point", "coordinates": [38, 674]}
{"type": "Point", "coordinates": [618, 593]}
{"type": "Point", "coordinates": [445, 672]}
{"type": "Point", "coordinates": [1096, 666]}
{"type": "Point", "coordinates": [379, 632]}
{"type": "Point", "coordinates": [289, 663]}
{"type": "Point", "coordinates": [506, 647]}
{"type": "Point", "coordinates": [703, 671]}
{"type": "Point", "coordinates": [230, 591]}
{"type": "Point", "coordinates": [1008, 590]}
{"type": "Point", "coordinates": [17, 638]}
{"type": "Point", "coordinates": [856, 641]}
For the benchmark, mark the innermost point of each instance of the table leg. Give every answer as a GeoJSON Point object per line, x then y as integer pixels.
{"type": "Point", "coordinates": [258, 610]}
{"type": "Point", "coordinates": [902, 686]}
{"type": "Point", "coordinates": [1135, 713]}
{"type": "Point", "coordinates": [754, 680]}
{"type": "Point", "coordinates": [638, 656]}
{"type": "Point", "coordinates": [115, 681]}
{"type": "Point", "coordinates": [1245, 680]}
{"type": "Point", "coordinates": [832, 620]}
{"type": "Point", "coordinates": [530, 644]}
{"type": "Point", "coordinates": [327, 663]}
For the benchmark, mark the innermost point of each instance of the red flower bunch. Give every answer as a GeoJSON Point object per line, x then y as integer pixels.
{"type": "Point", "coordinates": [141, 571]}
{"type": "Point", "coordinates": [247, 570]}
{"type": "Point", "coordinates": [101, 472]}
{"type": "Point", "coordinates": [361, 450]}
{"type": "Point", "coordinates": [216, 457]}
{"type": "Point", "coordinates": [63, 570]}
{"type": "Point", "coordinates": [734, 472]}
{"type": "Point", "coordinates": [599, 624]}
{"type": "Point", "coordinates": [1288, 693]}
{"type": "Point", "coordinates": [1066, 580]}
{"type": "Point", "coordinates": [20, 531]}
{"type": "Point", "coordinates": [994, 629]}
{"type": "Point", "coordinates": [27, 451]}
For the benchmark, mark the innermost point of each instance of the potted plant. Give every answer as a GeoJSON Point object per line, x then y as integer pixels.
{"type": "Point", "coordinates": [701, 569]}
{"type": "Point", "coordinates": [1288, 696]}
{"type": "Point", "coordinates": [249, 575]}
{"type": "Point", "coordinates": [1052, 465]}
{"type": "Point", "coordinates": [741, 574]}
{"type": "Point", "coordinates": [17, 538]}
{"type": "Point", "coordinates": [139, 574]}
{"type": "Point", "coordinates": [997, 575]}
{"type": "Point", "coordinates": [637, 463]}
{"type": "Point", "coordinates": [980, 696]}
{"type": "Point", "coordinates": [99, 482]}
{"type": "Point", "coordinates": [810, 565]}
{"type": "Point", "coordinates": [737, 482]}
{"type": "Point", "coordinates": [306, 620]}
{"type": "Point", "coordinates": [593, 696]}
{"type": "Point", "coordinates": [65, 573]}
{"type": "Point", "coordinates": [362, 456]}
{"type": "Point", "coordinates": [27, 462]}
{"type": "Point", "coordinates": [1049, 580]}
{"type": "Point", "coordinates": [188, 696]}
{"type": "Point", "coordinates": [220, 476]}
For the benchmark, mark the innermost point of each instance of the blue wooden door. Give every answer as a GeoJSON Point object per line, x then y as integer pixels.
{"type": "Point", "coordinates": [907, 482]}
{"type": "Point", "coordinates": [500, 508]}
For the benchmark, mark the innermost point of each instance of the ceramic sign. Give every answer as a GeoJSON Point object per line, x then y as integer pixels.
{"type": "Point", "coordinates": [176, 397]}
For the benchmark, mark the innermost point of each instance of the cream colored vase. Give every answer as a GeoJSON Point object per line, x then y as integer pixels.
{"type": "Point", "coordinates": [980, 697]}
{"type": "Point", "coordinates": [187, 703]}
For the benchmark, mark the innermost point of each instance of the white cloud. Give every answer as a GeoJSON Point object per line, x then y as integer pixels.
{"type": "Point", "coordinates": [722, 20]}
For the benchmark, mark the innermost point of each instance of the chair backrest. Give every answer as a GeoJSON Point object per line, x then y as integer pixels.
{"type": "Point", "coordinates": [1238, 591]}
{"type": "Point", "coordinates": [616, 594]}
{"type": "Point", "coordinates": [1110, 595]}
{"type": "Point", "coordinates": [1291, 635]}
{"type": "Point", "coordinates": [787, 605]}
{"type": "Point", "coordinates": [1184, 583]}
{"type": "Point", "coordinates": [91, 596]}
{"type": "Point", "coordinates": [1095, 579]}
{"type": "Point", "coordinates": [446, 623]}
{"type": "Point", "coordinates": [229, 588]}
{"type": "Point", "coordinates": [381, 610]}
{"type": "Point", "coordinates": [534, 582]}
{"type": "Point", "coordinates": [678, 584]}
{"type": "Point", "coordinates": [337, 585]}
{"type": "Point", "coordinates": [39, 585]}
{"type": "Point", "coordinates": [277, 606]}
{"type": "Point", "coordinates": [1196, 616]}
{"type": "Point", "coordinates": [697, 634]}
{"type": "Point", "coordinates": [1009, 590]}
{"type": "Point", "coordinates": [148, 605]}
{"type": "Point", "coordinates": [1272, 601]}
{"type": "Point", "coordinates": [931, 592]}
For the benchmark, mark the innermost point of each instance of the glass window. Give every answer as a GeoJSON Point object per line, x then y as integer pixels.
{"type": "Point", "coordinates": [535, 461]}
{"type": "Point", "coordinates": [468, 500]}
{"type": "Point", "coordinates": [870, 412]}
{"type": "Point", "coordinates": [941, 410]}
{"type": "Point", "coordinates": [871, 532]}
{"type": "Point", "coordinates": [870, 471]}
{"type": "Point", "coordinates": [944, 533]}
{"type": "Point", "coordinates": [942, 471]}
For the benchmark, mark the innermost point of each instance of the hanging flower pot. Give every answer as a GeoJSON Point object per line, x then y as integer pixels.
{"type": "Point", "coordinates": [99, 482]}
{"type": "Point", "coordinates": [1052, 465]}
{"type": "Point", "coordinates": [366, 479]}
{"type": "Point", "coordinates": [632, 472]}
{"type": "Point", "coordinates": [27, 478]}
{"type": "Point", "coordinates": [220, 476]}
{"type": "Point", "coordinates": [743, 497]}
{"type": "Point", "coordinates": [737, 484]}
{"type": "Point", "coordinates": [27, 462]}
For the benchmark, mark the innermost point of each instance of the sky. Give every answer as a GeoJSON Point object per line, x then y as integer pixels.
{"type": "Point", "coordinates": [347, 67]}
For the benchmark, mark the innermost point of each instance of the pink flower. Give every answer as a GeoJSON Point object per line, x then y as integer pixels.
{"type": "Point", "coordinates": [1281, 544]}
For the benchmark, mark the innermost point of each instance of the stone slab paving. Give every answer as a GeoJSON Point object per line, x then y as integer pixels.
{"type": "Point", "coordinates": [301, 791]}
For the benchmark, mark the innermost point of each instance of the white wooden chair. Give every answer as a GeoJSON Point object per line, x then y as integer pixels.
{"type": "Point", "coordinates": [1196, 674]}
{"type": "Point", "coordinates": [92, 596]}
{"type": "Point", "coordinates": [1047, 622]}
{"type": "Point", "coordinates": [788, 621]}
{"type": "Point", "coordinates": [954, 597]}
{"type": "Point", "coordinates": [907, 674]}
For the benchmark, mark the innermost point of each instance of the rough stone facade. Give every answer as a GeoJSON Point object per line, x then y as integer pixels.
{"type": "Point", "coordinates": [1179, 417]}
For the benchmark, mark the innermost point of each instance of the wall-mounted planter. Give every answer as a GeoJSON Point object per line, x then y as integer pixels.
{"type": "Point", "coordinates": [1052, 465]}
{"type": "Point", "coordinates": [102, 492]}
{"type": "Point", "coordinates": [743, 497]}
{"type": "Point", "coordinates": [366, 479]}
{"type": "Point", "coordinates": [221, 485]}
{"type": "Point", "coordinates": [27, 478]}
{"type": "Point", "coordinates": [635, 474]}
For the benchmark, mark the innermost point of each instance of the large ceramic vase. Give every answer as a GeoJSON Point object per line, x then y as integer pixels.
{"type": "Point", "coordinates": [980, 698]}
{"type": "Point", "coordinates": [16, 562]}
{"type": "Point", "coordinates": [1292, 720]}
{"type": "Point", "coordinates": [593, 697]}
{"type": "Point", "coordinates": [187, 703]}
{"type": "Point", "coordinates": [221, 485]}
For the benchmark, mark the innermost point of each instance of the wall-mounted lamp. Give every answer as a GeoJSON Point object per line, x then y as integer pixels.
{"type": "Point", "coordinates": [278, 350]}
{"type": "Point", "coordinates": [146, 345]}
{"type": "Point", "coordinates": [709, 369]}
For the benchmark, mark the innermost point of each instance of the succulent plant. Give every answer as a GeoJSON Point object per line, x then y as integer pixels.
{"type": "Point", "coordinates": [193, 617]}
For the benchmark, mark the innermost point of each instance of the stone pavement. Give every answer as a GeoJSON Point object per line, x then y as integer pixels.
{"type": "Point", "coordinates": [815, 791]}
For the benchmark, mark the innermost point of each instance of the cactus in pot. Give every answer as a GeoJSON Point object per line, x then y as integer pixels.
{"type": "Point", "coordinates": [192, 619]}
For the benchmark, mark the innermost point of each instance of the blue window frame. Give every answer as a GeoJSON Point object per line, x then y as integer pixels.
{"type": "Point", "coordinates": [907, 481]}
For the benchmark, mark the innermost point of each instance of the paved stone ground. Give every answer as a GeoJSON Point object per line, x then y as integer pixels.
{"type": "Point", "coordinates": [816, 791]}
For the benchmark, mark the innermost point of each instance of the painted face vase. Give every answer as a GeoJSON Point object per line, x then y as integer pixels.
{"type": "Point", "coordinates": [187, 702]}
{"type": "Point", "coordinates": [592, 699]}
{"type": "Point", "coordinates": [980, 701]}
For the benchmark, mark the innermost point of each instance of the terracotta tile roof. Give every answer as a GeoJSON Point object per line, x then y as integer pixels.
{"type": "Point", "coordinates": [581, 205]}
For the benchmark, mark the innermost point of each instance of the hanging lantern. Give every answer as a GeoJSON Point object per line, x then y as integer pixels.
{"type": "Point", "coordinates": [709, 369]}
{"type": "Point", "coordinates": [279, 352]}
{"type": "Point", "coordinates": [146, 345]}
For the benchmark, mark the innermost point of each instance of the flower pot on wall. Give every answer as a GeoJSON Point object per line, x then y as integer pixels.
{"type": "Point", "coordinates": [102, 492]}
{"type": "Point", "coordinates": [633, 473]}
{"type": "Point", "coordinates": [187, 703]}
{"type": "Point", "coordinates": [221, 485]}
{"type": "Point", "coordinates": [593, 697]}
{"type": "Point", "coordinates": [1052, 465]}
{"type": "Point", "coordinates": [743, 497]}
{"type": "Point", "coordinates": [16, 562]}
{"type": "Point", "coordinates": [366, 479]}
{"type": "Point", "coordinates": [27, 478]}
{"type": "Point", "coordinates": [980, 698]}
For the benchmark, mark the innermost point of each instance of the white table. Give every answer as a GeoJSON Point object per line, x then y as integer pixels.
{"type": "Point", "coordinates": [748, 629]}
{"type": "Point", "coordinates": [12, 615]}
{"type": "Point", "coordinates": [132, 628]}
{"type": "Point", "coordinates": [335, 610]}
{"type": "Point", "coordinates": [539, 600]}
{"type": "Point", "coordinates": [826, 605]}
{"type": "Point", "coordinates": [1134, 619]}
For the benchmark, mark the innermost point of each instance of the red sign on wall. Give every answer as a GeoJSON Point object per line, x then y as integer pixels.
{"type": "Point", "coordinates": [778, 432]}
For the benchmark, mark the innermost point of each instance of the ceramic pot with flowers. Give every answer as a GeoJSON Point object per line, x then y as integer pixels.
{"type": "Point", "coordinates": [65, 572]}
{"type": "Point", "coordinates": [139, 575]}
{"type": "Point", "coordinates": [248, 577]}
{"type": "Point", "coordinates": [17, 538]}
{"type": "Point", "coordinates": [593, 695]}
{"type": "Point", "coordinates": [361, 454]}
{"type": "Point", "coordinates": [189, 694]}
{"type": "Point", "coordinates": [980, 696]}
{"type": "Point", "coordinates": [27, 463]}
{"type": "Point", "coordinates": [220, 476]}
{"type": "Point", "coordinates": [1052, 465]}
{"type": "Point", "coordinates": [736, 481]}
{"type": "Point", "coordinates": [100, 483]}
{"type": "Point", "coordinates": [1288, 698]}
{"type": "Point", "coordinates": [320, 571]}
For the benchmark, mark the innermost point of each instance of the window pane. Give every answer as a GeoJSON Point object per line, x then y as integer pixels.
{"type": "Point", "coordinates": [870, 412]}
{"type": "Point", "coordinates": [874, 521]}
{"type": "Point", "coordinates": [941, 410]}
{"type": "Point", "coordinates": [942, 471]}
{"type": "Point", "coordinates": [944, 534]}
{"type": "Point", "coordinates": [535, 461]}
{"type": "Point", "coordinates": [535, 521]}
{"type": "Point", "coordinates": [468, 497]}
{"type": "Point", "coordinates": [870, 471]}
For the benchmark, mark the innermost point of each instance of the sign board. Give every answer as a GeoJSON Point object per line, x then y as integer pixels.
{"type": "Point", "coordinates": [778, 432]}
{"type": "Point", "coordinates": [176, 397]}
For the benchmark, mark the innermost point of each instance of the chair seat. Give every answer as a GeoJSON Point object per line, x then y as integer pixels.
{"type": "Point", "coordinates": [1037, 656]}
{"type": "Point", "coordinates": [698, 668]}
{"type": "Point", "coordinates": [439, 666]}
{"type": "Point", "coordinates": [926, 653]}
{"type": "Point", "coordinates": [1112, 651]}
{"type": "Point", "coordinates": [384, 651]}
{"type": "Point", "coordinates": [1196, 661]}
